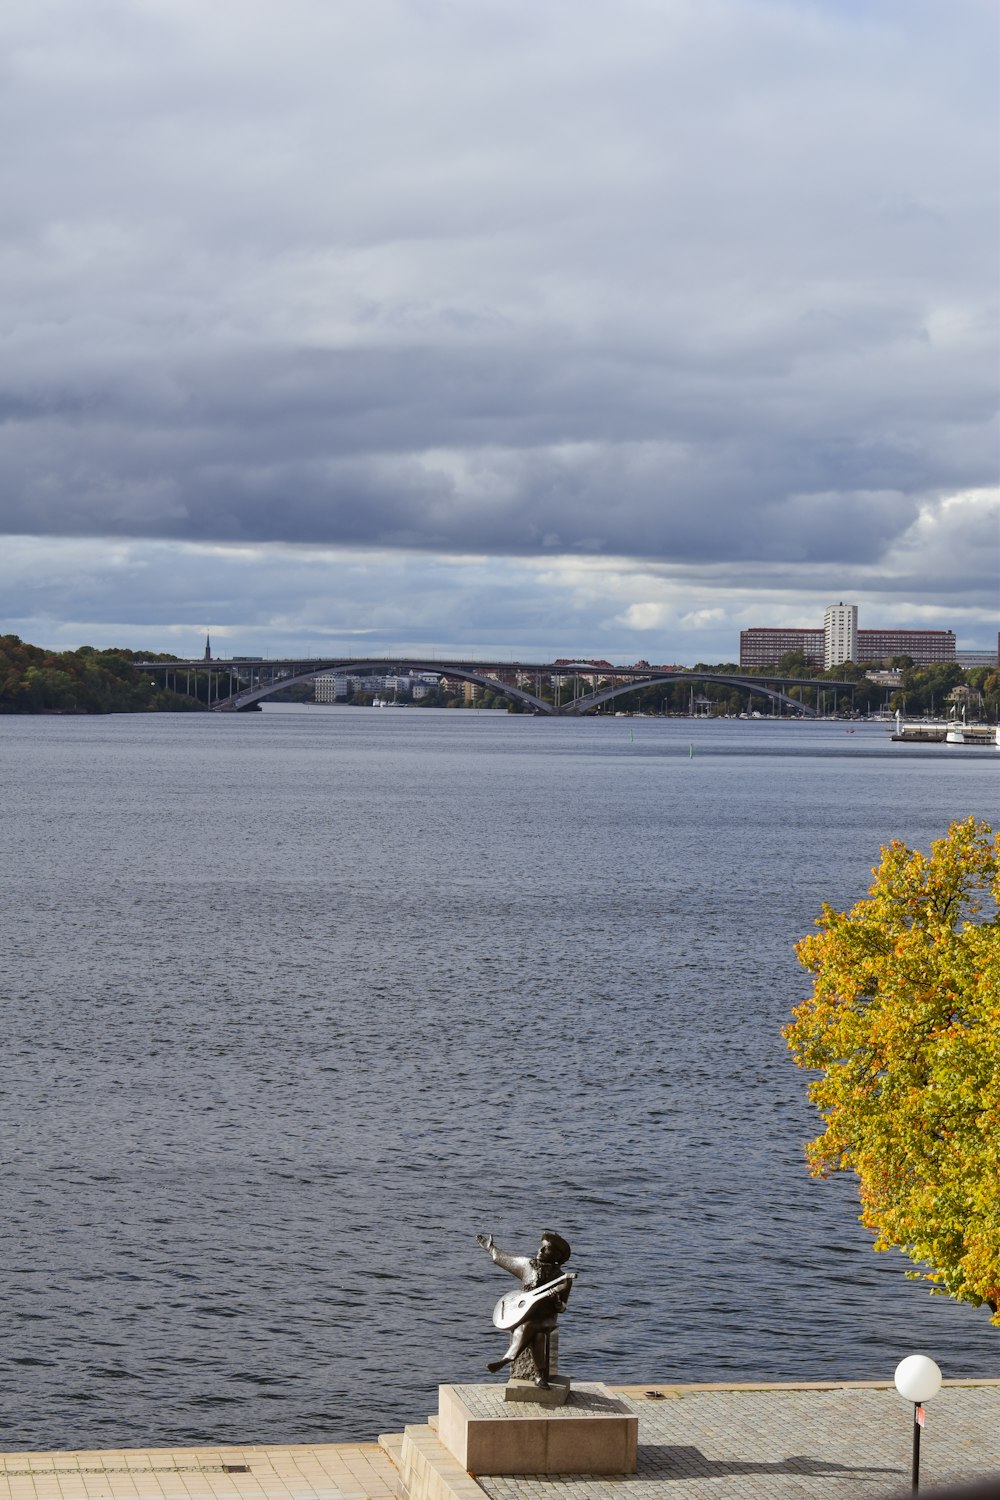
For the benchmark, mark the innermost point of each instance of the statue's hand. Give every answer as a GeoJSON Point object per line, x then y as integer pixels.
{"type": "Point", "coordinates": [486, 1240]}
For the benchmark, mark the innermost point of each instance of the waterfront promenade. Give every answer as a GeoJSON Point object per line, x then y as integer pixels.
{"type": "Point", "coordinates": [762, 1442]}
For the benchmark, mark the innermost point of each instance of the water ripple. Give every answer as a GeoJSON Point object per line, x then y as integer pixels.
{"type": "Point", "coordinates": [296, 1004]}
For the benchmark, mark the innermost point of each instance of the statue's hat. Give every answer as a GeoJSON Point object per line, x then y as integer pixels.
{"type": "Point", "coordinates": [560, 1246]}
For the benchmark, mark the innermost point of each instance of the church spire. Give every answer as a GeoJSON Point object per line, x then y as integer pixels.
{"type": "Point", "coordinates": [208, 648]}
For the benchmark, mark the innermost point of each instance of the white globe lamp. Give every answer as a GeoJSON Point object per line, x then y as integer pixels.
{"type": "Point", "coordinates": [917, 1379]}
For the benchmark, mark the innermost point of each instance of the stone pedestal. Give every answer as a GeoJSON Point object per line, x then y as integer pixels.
{"type": "Point", "coordinates": [594, 1432]}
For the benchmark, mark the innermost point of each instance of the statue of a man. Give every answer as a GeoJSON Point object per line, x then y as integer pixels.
{"type": "Point", "coordinates": [531, 1331]}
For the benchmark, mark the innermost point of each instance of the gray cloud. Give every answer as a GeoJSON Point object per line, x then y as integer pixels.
{"type": "Point", "coordinates": [274, 599]}
{"type": "Point", "coordinates": [698, 283]}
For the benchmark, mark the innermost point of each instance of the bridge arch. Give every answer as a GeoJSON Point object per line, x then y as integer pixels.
{"type": "Point", "coordinates": [749, 684]}
{"type": "Point", "coordinates": [246, 697]}
{"type": "Point", "coordinates": [252, 679]}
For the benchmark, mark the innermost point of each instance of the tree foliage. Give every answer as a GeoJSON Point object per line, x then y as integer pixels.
{"type": "Point", "coordinates": [903, 1026]}
{"type": "Point", "coordinates": [84, 681]}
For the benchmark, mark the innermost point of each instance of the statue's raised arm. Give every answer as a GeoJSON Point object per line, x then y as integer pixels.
{"type": "Point", "coordinates": [517, 1265]}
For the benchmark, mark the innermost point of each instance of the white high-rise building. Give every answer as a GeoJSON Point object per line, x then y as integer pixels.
{"type": "Point", "coordinates": [329, 686]}
{"type": "Point", "coordinates": [840, 634]}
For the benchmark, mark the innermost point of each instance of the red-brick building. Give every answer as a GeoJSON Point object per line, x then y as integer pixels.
{"type": "Point", "coordinates": [761, 647]}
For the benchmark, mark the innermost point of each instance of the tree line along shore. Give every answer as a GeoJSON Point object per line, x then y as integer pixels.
{"type": "Point", "coordinates": [91, 681]}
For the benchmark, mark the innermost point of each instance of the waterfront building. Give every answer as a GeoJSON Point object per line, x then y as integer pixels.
{"type": "Point", "coordinates": [329, 686]}
{"type": "Point", "coordinates": [762, 647]}
{"type": "Point", "coordinates": [455, 686]}
{"type": "Point", "coordinates": [978, 658]}
{"type": "Point", "coordinates": [840, 634]}
{"type": "Point", "coordinates": [925, 647]}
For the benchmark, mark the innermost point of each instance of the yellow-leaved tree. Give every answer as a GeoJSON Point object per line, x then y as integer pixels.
{"type": "Point", "coordinates": [903, 1026]}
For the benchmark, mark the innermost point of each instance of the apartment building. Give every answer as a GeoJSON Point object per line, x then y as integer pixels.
{"type": "Point", "coordinates": [840, 634]}
{"type": "Point", "coordinates": [842, 640]}
{"type": "Point", "coordinates": [761, 647]}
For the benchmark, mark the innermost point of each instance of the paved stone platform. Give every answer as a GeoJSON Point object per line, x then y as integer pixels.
{"type": "Point", "coordinates": [788, 1443]}
{"type": "Point", "coordinates": [695, 1443]}
{"type": "Point", "coordinates": [335, 1471]}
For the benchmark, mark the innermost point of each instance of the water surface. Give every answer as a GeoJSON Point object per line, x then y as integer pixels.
{"type": "Point", "coordinates": [297, 1002]}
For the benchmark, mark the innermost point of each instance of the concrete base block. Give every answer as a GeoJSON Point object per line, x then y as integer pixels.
{"type": "Point", "coordinates": [593, 1433]}
{"type": "Point", "coordinates": [556, 1393]}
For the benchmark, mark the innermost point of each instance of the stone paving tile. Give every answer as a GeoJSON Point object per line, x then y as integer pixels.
{"type": "Point", "coordinates": [587, 1400]}
{"type": "Point", "coordinates": [839, 1444]}
{"type": "Point", "coordinates": [342, 1471]}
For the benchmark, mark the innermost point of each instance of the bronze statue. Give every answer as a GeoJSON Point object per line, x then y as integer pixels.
{"type": "Point", "coordinates": [531, 1313]}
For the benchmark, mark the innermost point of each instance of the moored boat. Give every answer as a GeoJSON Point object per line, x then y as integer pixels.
{"type": "Point", "coordinates": [972, 734]}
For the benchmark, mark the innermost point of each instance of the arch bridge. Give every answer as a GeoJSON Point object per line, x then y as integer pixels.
{"type": "Point", "coordinates": [240, 684]}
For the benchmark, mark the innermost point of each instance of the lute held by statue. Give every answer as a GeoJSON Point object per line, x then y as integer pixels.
{"type": "Point", "coordinates": [514, 1307]}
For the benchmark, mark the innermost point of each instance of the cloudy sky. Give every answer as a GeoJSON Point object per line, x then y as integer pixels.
{"type": "Point", "coordinates": [496, 326]}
